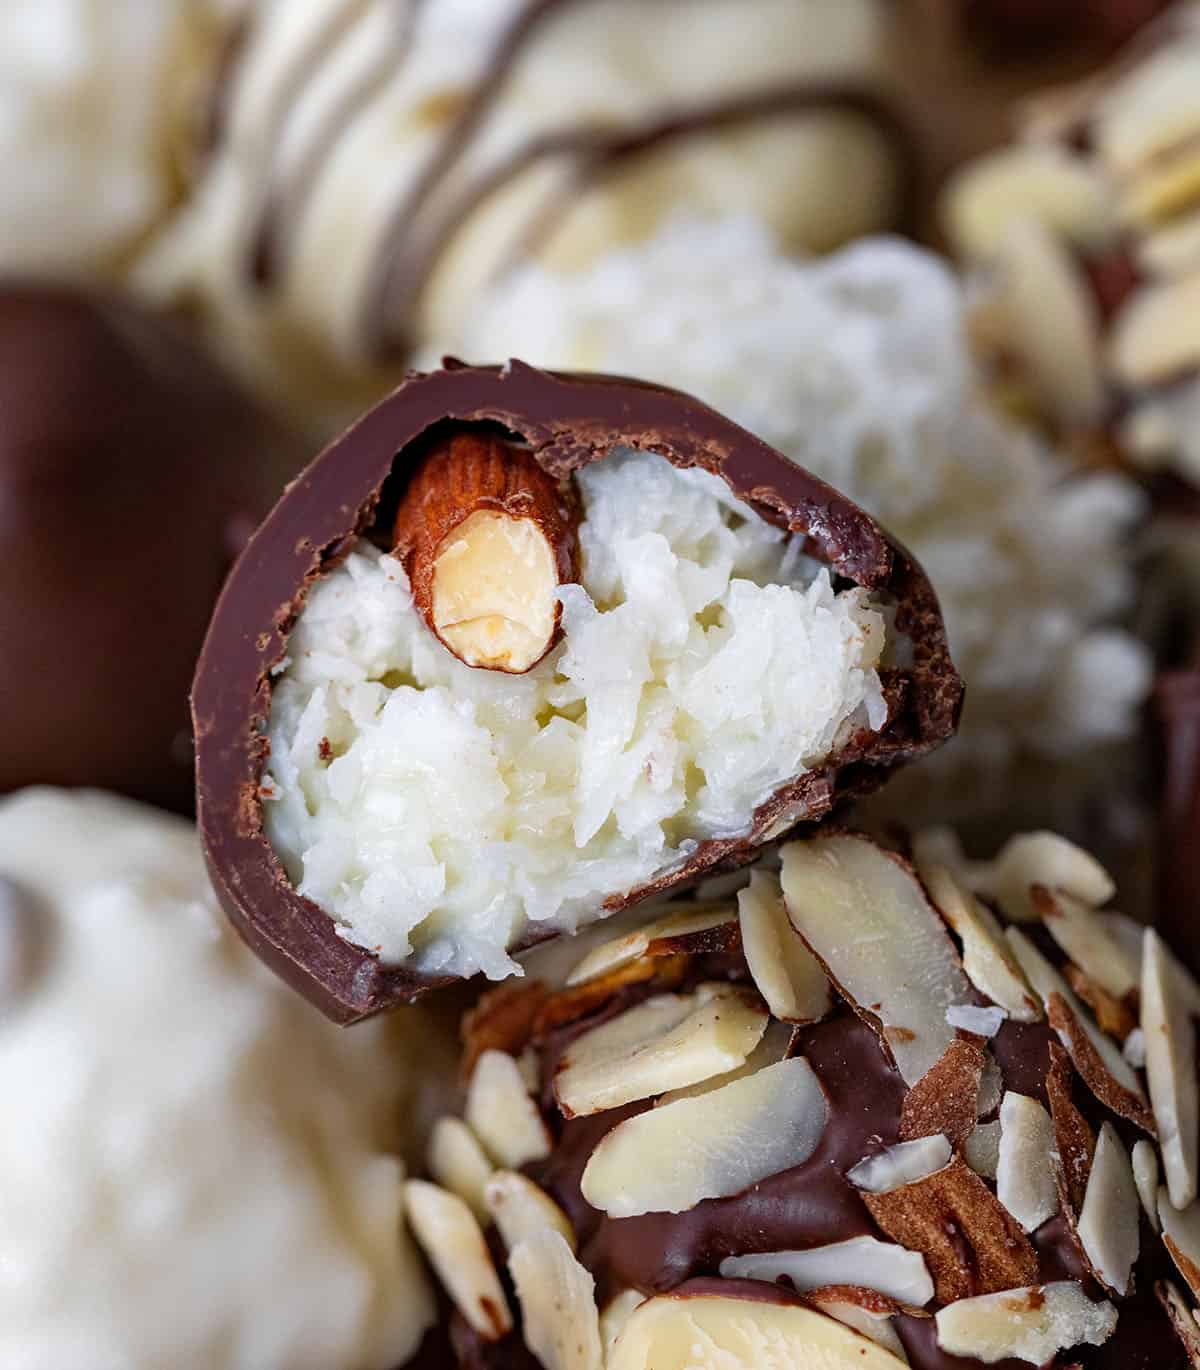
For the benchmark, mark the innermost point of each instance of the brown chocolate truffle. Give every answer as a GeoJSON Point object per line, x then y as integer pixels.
{"type": "Point", "coordinates": [131, 470]}
{"type": "Point", "coordinates": [563, 425]}
{"type": "Point", "coordinates": [876, 1128]}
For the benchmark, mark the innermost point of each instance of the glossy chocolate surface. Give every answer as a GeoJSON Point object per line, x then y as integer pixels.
{"type": "Point", "coordinates": [566, 422]}
{"type": "Point", "coordinates": [131, 472]}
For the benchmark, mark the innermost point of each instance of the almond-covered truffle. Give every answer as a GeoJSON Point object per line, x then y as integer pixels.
{"type": "Point", "coordinates": [669, 646]}
{"type": "Point", "coordinates": [922, 1170]}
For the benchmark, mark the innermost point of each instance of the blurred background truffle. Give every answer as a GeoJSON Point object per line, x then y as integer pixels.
{"type": "Point", "coordinates": [131, 470]}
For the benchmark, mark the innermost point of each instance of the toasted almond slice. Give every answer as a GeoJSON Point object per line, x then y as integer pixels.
{"type": "Point", "coordinates": [453, 1244]}
{"type": "Point", "coordinates": [520, 1208]}
{"type": "Point", "coordinates": [1181, 1318]}
{"type": "Point", "coordinates": [1153, 108]}
{"type": "Point", "coordinates": [614, 1315]}
{"type": "Point", "coordinates": [1172, 249]}
{"type": "Point", "coordinates": [559, 1318]}
{"type": "Point", "coordinates": [978, 1020]}
{"type": "Point", "coordinates": [1042, 858]}
{"type": "Point", "coordinates": [502, 1020]}
{"type": "Point", "coordinates": [1170, 1066]}
{"type": "Point", "coordinates": [711, 1332]}
{"type": "Point", "coordinates": [881, 1266]}
{"type": "Point", "coordinates": [788, 976]}
{"type": "Point", "coordinates": [1114, 1017]}
{"type": "Point", "coordinates": [1133, 1048]}
{"type": "Point", "coordinates": [662, 1044]}
{"type": "Point", "coordinates": [944, 1101]}
{"type": "Point", "coordinates": [1038, 178]}
{"type": "Point", "coordinates": [1181, 1237]}
{"type": "Point", "coordinates": [1075, 1143]}
{"type": "Point", "coordinates": [1032, 1324]}
{"type": "Point", "coordinates": [487, 537]}
{"type": "Point", "coordinates": [1145, 1175]}
{"type": "Point", "coordinates": [777, 1044]}
{"type": "Point", "coordinates": [1155, 338]}
{"type": "Point", "coordinates": [864, 1310]}
{"type": "Point", "coordinates": [1086, 940]}
{"type": "Point", "coordinates": [502, 1115]}
{"type": "Point", "coordinates": [1052, 319]}
{"type": "Point", "coordinates": [991, 1087]}
{"type": "Point", "coordinates": [578, 1001]}
{"type": "Point", "coordinates": [987, 959]}
{"type": "Point", "coordinates": [1024, 1173]}
{"type": "Point", "coordinates": [669, 1159]}
{"type": "Point", "coordinates": [458, 1163]}
{"type": "Point", "coordinates": [939, 1214]}
{"type": "Point", "coordinates": [632, 946]}
{"type": "Point", "coordinates": [1158, 193]}
{"type": "Point", "coordinates": [896, 1166]}
{"type": "Point", "coordinates": [1097, 1058]}
{"type": "Point", "coordinates": [981, 1150]}
{"type": "Point", "coordinates": [1125, 931]}
{"type": "Point", "coordinates": [1108, 1225]}
{"type": "Point", "coordinates": [866, 917]}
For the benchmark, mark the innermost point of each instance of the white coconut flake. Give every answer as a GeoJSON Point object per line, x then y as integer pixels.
{"type": "Point", "coordinates": [439, 811]}
{"type": "Point", "coordinates": [982, 1021]}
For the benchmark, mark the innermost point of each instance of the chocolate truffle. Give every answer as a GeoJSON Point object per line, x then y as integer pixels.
{"type": "Point", "coordinates": [1088, 230]}
{"type": "Point", "coordinates": [876, 1112]}
{"type": "Point", "coordinates": [200, 1171]}
{"type": "Point", "coordinates": [520, 649]}
{"type": "Point", "coordinates": [377, 164]}
{"type": "Point", "coordinates": [131, 470]}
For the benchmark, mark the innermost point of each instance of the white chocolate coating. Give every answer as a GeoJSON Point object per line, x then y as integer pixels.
{"type": "Point", "coordinates": [193, 1161]}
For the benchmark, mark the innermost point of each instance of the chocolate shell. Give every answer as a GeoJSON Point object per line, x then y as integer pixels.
{"type": "Point", "coordinates": [566, 422]}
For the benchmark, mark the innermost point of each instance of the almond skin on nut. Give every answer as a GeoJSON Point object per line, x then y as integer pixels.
{"type": "Point", "coordinates": [487, 537]}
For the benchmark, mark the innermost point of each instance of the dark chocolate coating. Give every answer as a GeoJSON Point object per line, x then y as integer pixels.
{"type": "Point", "coordinates": [567, 422]}
{"type": "Point", "coordinates": [1177, 707]}
{"type": "Point", "coordinates": [131, 471]}
{"type": "Point", "coordinates": [1025, 30]}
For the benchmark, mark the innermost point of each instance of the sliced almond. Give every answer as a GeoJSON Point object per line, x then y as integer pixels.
{"type": "Point", "coordinates": [1172, 249]}
{"type": "Point", "coordinates": [1171, 186]}
{"type": "Point", "coordinates": [1144, 1160]}
{"type": "Point", "coordinates": [981, 1150]}
{"type": "Point", "coordinates": [987, 959]}
{"type": "Point", "coordinates": [881, 1266]}
{"type": "Point", "coordinates": [1155, 339]}
{"type": "Point", "coordinates": [1133, 1048]}
{"type": "Point", "coordinates": [991, 1087]}
{"type": "Point", "coordinates": [1108, 1224]}
{"type": "Point", "coordinates": [502, 1115]}
{"type": "Point", "coordinates": [864, 1310]}
{"type": "Point", "coordinates": [632, 946]}
{"type": "Point", "coordinates": [978, 1020]}
{"type": "Point", "coordinates": [1041, 858]}
{"type": "Point", "coordinates": [458, 1163]}
{"type": "Point", "coordinates": [662, 1044]}
{"type": "Point", "coordinates": [579, 1001]}
{"type": "Point", "coordinates": [1032, 1324]}
{"type": "Point", "coordinates": [1181, 1318]}
{"type": "Point", "coordinates": [776, 1044]}
{"type": "Point", "coordinates": [1075, 1143]}
{"type": "Point", "coordinates": [1086, 940]}
{"type": "Point", "coordinates": [788, 976]}
{"type": "Point", "coordinates": [614, 1315]}
{"type": "Point", "coordinates": [1114, 1017]}
{"type": "Point", "coordinates": [706, 1331]}
{"type": "Point", "coordinates": [559, 1318]}
{"type": "Point", "coordinates": [1181, 1237]}
{"type": "Point", "coordinates": [453, 1244]}
{"type": "Point", "coordinates": [866, 917]}
{"type": "Point", "coordinates": [502, 1020]}
{"type": "Point", "coordinates": [946, 1211]}
{"type": "Point", "coordinates": [944, 1101]}
{"type": "Point", "coordinates": [487, 537]}
{"type": "Point", "coordinates": [1171, 1066]}
{"type": "Point", "coordinates": [669, 1159]}
{"type": "Point", "coordinates": [1096, 1057]}
{"type": "Point", "coordinates": [1024, 1173]}
{"type": "Point", "coordinates": [521, 1208]}
{"type": "Point", "coordinates": [1052, 319]}
{"type": "Point", "coordinates": [896, 1166]}
{"type": "Point", "coordinates": [1152, 109]}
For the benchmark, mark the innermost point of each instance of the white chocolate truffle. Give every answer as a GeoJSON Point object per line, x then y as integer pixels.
{"type": "Point", "coordinates": [86, 103]}
{"type": "Point", "coordinates": [857, 367]}
{"type": "Point", "coordinates": [194, 1161]}
{"type": "Point", "coordinates": [373, 218]}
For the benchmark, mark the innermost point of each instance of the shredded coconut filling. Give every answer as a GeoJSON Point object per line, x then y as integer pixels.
{"type": "Point", "coordinates": [438, 812]}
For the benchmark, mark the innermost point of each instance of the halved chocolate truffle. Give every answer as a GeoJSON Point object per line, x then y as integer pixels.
{"type": "Point", "coordinates": [131, 471]}
{"type": "Point", "coordinates": [432, 732]}
{"type": "Point", "coordinates": [873, 1113]}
